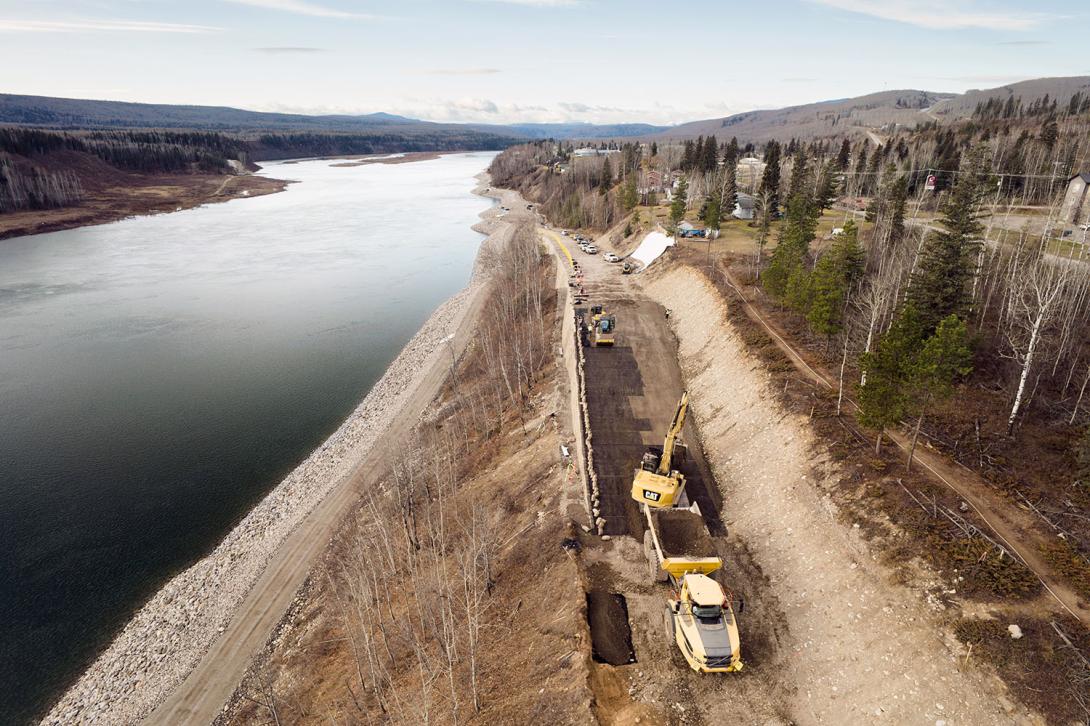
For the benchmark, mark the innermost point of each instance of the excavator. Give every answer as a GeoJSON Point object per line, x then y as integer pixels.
{"type": "Point", "coordinates": [603, 327]}
{"type": "Point", "coordinates": [701, 618]}
{"type": "Point", "coordinates": [656, 483]}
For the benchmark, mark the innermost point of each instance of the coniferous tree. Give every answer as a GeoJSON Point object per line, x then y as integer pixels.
{"type": "Point", "coordinates": [828, 187]}
{"type": "Point", "coordinates": [884, 399]}
{"type": "Point", "coordinates": [770, 180]}
{"type": "Point", "coordinates": [835, 273]}
{"type": "Point", "coordinates": [709, 155]}
{"type": "Point", "coordinates": [844, 156]}
{"type": "Point", "coordinates": [945, 357]}
{"type": "Point", "coordinates": [629, 194]}
{"type": "Point", "coordinates": [789, 259]}
{"type": "Point", "coordinates": [940, 285]}
{"type": "Point", "coordinates": [728, 194]}
{"type": "Point", "coordinates": [677, 207]}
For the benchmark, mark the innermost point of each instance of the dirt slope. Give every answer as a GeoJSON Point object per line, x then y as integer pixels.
{"type": "Point", "coordinates": [858, 648]}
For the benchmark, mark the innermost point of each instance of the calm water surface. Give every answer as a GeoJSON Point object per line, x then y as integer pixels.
{"type": "Point", "coordinates": [159, 375]}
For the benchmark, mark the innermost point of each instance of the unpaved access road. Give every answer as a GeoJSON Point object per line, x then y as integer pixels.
{"type": "Point", "coordinates": [827, 635]}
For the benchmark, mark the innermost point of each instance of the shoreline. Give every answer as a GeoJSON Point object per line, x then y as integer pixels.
{"type": "Point", "coordinates": [167, 643]}
{"type": "Point", "coordinates": [160, 195]}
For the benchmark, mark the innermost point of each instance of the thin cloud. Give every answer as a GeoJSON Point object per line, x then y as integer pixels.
{"type": "Point", "coordinates": [462, 71]}
{"type": "Point", "coordinates": [798, 79]}
{"type": "Point", "coordinates": [940, 14]}
{"type": "Point", "coordinates": [300, 7]}
{"type": "Point", "coordinates": [288, 49]}
{"type": "Point", "coordinates": [1025, 42]}
{"type": "Point", "coordinates": [537, 3]}
{"type": "Point", "coordinates": [99, 26]}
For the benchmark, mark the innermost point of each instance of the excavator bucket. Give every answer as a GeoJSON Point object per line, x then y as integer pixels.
{"type": "Point", "coordinates": [678, 567]}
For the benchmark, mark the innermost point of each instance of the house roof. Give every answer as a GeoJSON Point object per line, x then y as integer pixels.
{"type": "Point", "coordinates": [1085, 176]}
{"type": "Point", "coordinates": [745, 201]}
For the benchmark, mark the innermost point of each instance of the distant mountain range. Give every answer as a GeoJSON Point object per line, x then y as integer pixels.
{"type": "Point", "coordinates": [871, 112]}
{"type": "Point", "coordinates": [78, 113]}
{"type": "Point", "coordinates": [842, 116]}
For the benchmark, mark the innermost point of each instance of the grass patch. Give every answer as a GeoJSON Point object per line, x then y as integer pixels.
{"type": "Point", "coordinates": [1039, 669]}
{"type": "Point", "coordinates": [1070, 564]}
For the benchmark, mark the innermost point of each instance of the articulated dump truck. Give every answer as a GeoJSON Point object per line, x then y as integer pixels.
{"type": "Point", "coordinates": [700, 614]}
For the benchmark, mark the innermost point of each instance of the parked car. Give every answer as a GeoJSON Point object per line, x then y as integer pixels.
{"type": "Point", "coordinates": [591, 250]}
{"type": "Point", "coordinates": [564, 232]}
{"type": "Point", "coordinates": [610, 257]}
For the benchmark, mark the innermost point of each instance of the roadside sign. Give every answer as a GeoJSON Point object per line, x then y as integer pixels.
{"type": "Point", "coordinates": [930, 184]}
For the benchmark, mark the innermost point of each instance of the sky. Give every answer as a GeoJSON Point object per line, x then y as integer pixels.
{"type": "Point", "coordinates": [505, 61]}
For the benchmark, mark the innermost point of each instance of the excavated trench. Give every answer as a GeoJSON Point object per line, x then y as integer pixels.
{"type": "Point", "coordinates": [610, 633]}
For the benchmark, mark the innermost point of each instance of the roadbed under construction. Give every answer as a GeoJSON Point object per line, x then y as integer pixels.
{"type": "Point", "coordinates": [633, 389]}
{"type": "Point", "coordinates": [632, 392]}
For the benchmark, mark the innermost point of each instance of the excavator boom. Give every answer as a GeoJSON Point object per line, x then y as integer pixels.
{"type": "Point", "coordinates": [672, 434]}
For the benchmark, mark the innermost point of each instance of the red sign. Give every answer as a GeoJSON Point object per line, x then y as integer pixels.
{"type": "Point", "coordinates": [930, 185]}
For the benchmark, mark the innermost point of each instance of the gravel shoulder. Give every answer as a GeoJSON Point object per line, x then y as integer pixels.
{"type": "Point", "coordinates": [184, 651]}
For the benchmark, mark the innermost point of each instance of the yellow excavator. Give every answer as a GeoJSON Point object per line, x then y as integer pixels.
{"type": "Point", "coordinates": [656, 483]}
{"type": "Point", "coordinates": [701, 618]}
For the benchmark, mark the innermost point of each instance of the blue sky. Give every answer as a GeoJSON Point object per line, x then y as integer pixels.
{"type": "Point", "coordinates": [500, 61]}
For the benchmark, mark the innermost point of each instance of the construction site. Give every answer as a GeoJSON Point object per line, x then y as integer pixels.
{"type": "Point", "coordinates": [664, 534]}
{"type": "Point", "coordinates": [721, 576]}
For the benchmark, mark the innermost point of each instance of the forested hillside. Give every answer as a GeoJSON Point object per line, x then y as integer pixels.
{"type": "Point", "coordinates": [45, 168]}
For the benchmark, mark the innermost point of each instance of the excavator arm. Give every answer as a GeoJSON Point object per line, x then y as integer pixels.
{"type": "Point", "coordinates": [672, 435]}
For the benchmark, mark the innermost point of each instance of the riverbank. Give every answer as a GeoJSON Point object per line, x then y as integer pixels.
{"type": "Point", "coordinates": [209, 620]}
{"type": "Point", "coordinates": [125, 194]}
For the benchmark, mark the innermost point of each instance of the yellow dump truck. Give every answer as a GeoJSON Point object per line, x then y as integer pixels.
{"type": "Point", "coordinates": [701, 616]}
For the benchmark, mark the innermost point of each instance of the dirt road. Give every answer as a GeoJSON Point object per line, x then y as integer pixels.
{"type": "Point", "coordinates": [202, 695]}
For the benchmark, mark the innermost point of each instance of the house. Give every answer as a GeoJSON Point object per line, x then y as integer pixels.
{"type": "Point", "coordinates": [685, 229]}
{"type": "Point", "coordinates": [1076, 206]}
{"type": "Point", "coordinates": [650, 182]}
{"type": "Point", "coordinates": [590, 151]}
{"type": "Point", "coordinates": [745, 207]}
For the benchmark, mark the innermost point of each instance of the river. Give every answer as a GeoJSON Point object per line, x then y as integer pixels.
{"type": "Point", "coordinates": [159, 375]}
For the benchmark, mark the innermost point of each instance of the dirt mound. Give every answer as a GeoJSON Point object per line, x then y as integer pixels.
{"type": "Point", "coordinates": [682, 534]}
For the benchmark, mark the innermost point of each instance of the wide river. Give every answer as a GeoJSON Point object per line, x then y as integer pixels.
{"type": "Point", "coordinates": [159, 375]}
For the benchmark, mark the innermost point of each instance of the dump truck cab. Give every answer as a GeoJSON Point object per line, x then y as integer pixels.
{"type": "Point", "coordinates": [701, 617]}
